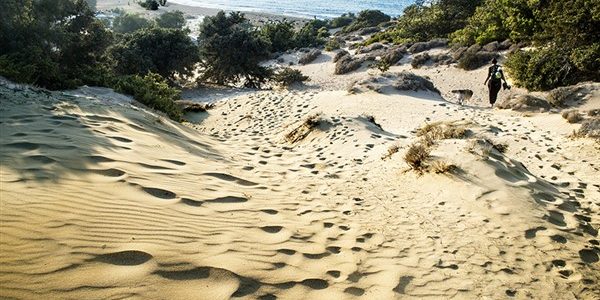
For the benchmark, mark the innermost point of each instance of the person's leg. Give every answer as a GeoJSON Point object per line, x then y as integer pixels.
{"type": "Point", "coordinates": [494, 89]}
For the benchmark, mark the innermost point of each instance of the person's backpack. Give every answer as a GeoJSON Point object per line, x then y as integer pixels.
{"type": "Point", "coordinates": [497, 72]}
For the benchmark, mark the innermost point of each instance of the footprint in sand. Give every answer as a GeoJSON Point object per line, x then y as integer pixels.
{"type": "Point", "coordinates": [124, 258]}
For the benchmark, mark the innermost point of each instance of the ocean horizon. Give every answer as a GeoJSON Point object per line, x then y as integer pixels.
{"type": "Point", "coordinates": [302, 9]}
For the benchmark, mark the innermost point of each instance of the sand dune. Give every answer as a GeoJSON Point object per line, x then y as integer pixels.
{"type": "Point", "coordinates": [102, 198]}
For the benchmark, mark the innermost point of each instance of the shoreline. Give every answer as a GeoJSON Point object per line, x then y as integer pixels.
{"type": "Point", "coordinates": [193, 11]}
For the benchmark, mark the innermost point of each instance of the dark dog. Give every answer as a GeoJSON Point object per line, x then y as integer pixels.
{"type": "Point", "coordinates": [462, 95]}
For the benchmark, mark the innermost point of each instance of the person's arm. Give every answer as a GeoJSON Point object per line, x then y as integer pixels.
{"type": "Point", "coordinates": [487, 78]}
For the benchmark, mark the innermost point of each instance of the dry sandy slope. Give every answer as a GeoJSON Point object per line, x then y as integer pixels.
{"type": "Point", "coordinates": [101, 199]}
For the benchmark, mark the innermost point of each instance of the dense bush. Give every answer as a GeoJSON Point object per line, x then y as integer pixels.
{"type": "Point", "coordinates": [347, 64]}
{"type": "Point", "coordinates": [149, 4]}
{"type": "Point", "coordinates": [565, 33]}
{"type": "Point", "coordinates": [289, 76]}
{"type": "Point", "coordinates": [472, 60]}
{"type": "Point", "coordinates": [310, 35]}
{"type": "Point", "coordinates": [91, 4]}
{"type": "Point", "coordinates": [541, 69]}
{"type": "Point", "coordinates": [422, 21]}
{"type": "Point", "coordinates": [126, 23]}
{"type": "Point", "coordinates": [280, 35]}
{"type": "Point", "coordinates": [309, 56]}
{"type": "Point", "coordinates": [171, 19]}
{"type": "Point", "coordinates": [367, 18]}
{"type": "Point", "coordinates": [333, 44]}
{"type": "Point", "coordinates": [341, 21]}
{"type": "Point", "coordinates": [168, 52]}
{"type": "Point", "coordinates": [230, 51]}
{"type": "Point", "coordinates": [41, 43]}
{"type": "Point", "coordinates": [497, 20]}
{"type": "Point", "coordinates": [153, 91]}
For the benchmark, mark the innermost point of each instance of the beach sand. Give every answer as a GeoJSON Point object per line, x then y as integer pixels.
{"type": "Point", "coordinates": [103, 198]}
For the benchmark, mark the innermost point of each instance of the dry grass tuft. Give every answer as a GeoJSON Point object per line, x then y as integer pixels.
{"type": "Point", "coordinates": [443, 130]}
{"type": "Point", "coordinates": [393, 149]}
{"type": "Point", "coordinates": [572, 116]}
{"type": "Point", "coordinates": [485, 146]}
{"type": "Point", "coordinates": [416, 157]}
{"type": "Point", "coordinates": [442, 167]}
{"type": "Point", "coordinates": [304, 129]}
{"type": "Point", "coordinates": [190, 106]}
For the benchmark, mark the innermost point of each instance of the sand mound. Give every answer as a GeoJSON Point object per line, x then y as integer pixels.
{"type": "Point", "coordinates": [394, 82]}
{"type": "Point", "coordinates": [521, 102]}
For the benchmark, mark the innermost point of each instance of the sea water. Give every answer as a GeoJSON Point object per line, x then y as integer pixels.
{"type": "Point", "coordinates": [321, 9]}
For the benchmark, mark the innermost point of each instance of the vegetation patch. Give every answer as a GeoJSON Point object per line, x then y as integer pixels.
{"type": "Point", "coordinates": [424, 46]}
{"type": "Point", "coordinates": [407, 81]}
{"type": "Point", "coordinates": [444, 130]}
{"type": "Point", "coordinates": [419, 60]}
{"type": "Point", "coordinates": [288, 76]}
{"type": "Point", "coordinates": [347, 64]}
{"type": "Point", "coordinates": [393, 149]}
{"type": "Point", "coordinates": [416, 157]}
{"type": "Point", "coordinates": [153, 91]}
{"type": "Point", "coordinates": [309, 57]}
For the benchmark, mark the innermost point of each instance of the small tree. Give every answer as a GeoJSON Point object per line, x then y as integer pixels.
{"type": "Point", "coordinates": [127, 23]}
{"type": "Point", "coordinates": [367, 18]}
{"type": "Point", "coordinates": [41, 42]}
{"type": "Point", "coordinates": [280, 35]}
{"type": "Point", "coordinates": [168, 52]}
{"type": "Point", "coordinates": [383, 65]}
{"type": "Point", "coordinates": [230, 51]}
{"type": "Point", "coordinates": [171, 19]}
{"type": "Point", "coordinates": [149, 4]}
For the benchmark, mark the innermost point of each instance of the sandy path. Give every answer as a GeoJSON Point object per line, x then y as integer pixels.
{"type": "Point", "coordinates": [102, 199]}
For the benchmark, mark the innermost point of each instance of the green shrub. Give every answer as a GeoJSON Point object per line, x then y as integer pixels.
{"type": "Point", "coordinates": [168, 52]}
{"type": "Point", "coordinates": [289, 76]}
{"type": "Point", "coordinates": [153, 91]}
{"type": "Point", "coordinates": [127, 23]}
{"type": "Point", "coordinates": [171, 19]}
{"type": "Point", "coordinates": [231, 51]}
{"type": "Point", "coordinates": [472, 60]}
{"type": "Point", "coordinates": [383, 65]}
{"type": "Point", "coordinates": [423, 21]}
{"type": "Point", "coordinates": [149, 4]}
{"type": "Point", "coordinates": [42, 43]}
{"type": "Point", "coordinates": [367, 18]}
{"type": "Point", "coordinates": [498, 20]}
{"type": "Point", "coordinates": [341, 21]}
{"type": "Point", "coordinates": [333, 44]}
{"type": "Point", "coordinates": [308, 36]}
{"type": "Point", "coordinates": [280, 35]}
{"type": "Point", "coordinates": [541, 69]}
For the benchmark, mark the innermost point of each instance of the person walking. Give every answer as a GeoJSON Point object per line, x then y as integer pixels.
{"type": "Point", "coordinates": [494, 81]}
